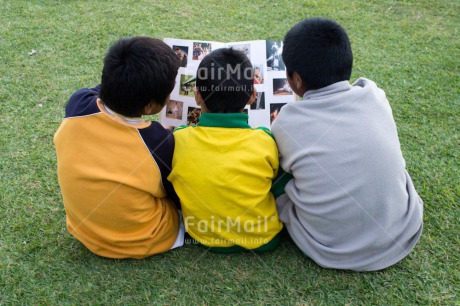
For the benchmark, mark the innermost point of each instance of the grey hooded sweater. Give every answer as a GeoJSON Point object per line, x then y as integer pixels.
{"type": "Point", "coordinates": [351, 205]}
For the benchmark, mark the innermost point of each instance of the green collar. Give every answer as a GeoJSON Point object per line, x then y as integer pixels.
{"type": "Point", "coordinates": [228, 120]}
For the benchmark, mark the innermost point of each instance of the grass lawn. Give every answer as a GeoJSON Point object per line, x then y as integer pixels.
{"type": "Point", "coordinates": [409, 48]}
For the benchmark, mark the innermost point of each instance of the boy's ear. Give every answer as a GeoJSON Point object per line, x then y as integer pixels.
{"type": "Point", "coordinates": [296, 83]}
{"type": "Point", "coordinates": [200, 101]}
{"type": "Point", "coordinates": [153, 108]}
{"type": "Point", "coordinates": [149, 108]}
{"type": "Point", "coordinates": [253, 97]}
{"type": "Point", "coordinates": [198, 98]}
{"type": "Point", "coordinates": [297, 80]}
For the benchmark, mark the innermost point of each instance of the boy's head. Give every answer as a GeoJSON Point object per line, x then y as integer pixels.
{"type": "Point", "coordinates": [138, 76]}
{"type": "Point", "coordinates": [317, 53]}
{"type": "Point", "coordinates": [225, 81]}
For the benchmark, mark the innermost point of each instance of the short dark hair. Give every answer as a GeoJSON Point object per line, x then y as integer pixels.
{"type": "Point", "coordinates": [225, 80]}
{"type": "Point", "coordinates": [319, 51]}
{"type": "Point", "coordinates": [137, 71]}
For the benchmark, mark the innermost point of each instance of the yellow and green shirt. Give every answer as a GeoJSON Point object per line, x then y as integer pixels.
{"type": "Point", "coordinates": [112, 175]}
{"type": "Point", "coordinates": [222, 172]}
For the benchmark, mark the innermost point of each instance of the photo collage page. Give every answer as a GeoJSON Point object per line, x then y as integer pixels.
{"type": "Point", "coordinates": [273, 90]}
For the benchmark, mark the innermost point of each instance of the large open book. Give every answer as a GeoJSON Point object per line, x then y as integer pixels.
{"type": "Point", "coordinates": [269, 80]}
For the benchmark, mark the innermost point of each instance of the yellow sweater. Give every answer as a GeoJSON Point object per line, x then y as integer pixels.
{"type": "Point", "coordinates": [222, 172]}
{"type": "Point", "coordinates": [111, 182]}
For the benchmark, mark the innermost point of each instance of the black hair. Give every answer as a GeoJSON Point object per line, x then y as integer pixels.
{"type": "Point", "coordinates": [137, 71]}
{"type": "Point", "coordinates": [225, 80]}
{"type": "Point", "coordinates": [319, 51]}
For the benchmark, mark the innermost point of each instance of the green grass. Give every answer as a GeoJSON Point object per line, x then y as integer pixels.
{"type": "Point", "coordinates": [409, 48]}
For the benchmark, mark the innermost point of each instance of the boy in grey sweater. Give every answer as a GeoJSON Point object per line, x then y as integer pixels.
{"type": "Point", "coordinates": [351, 203]}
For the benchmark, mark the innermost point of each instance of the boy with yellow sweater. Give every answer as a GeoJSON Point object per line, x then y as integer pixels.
{"type": "Point", "coordinates": [222, 168]}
